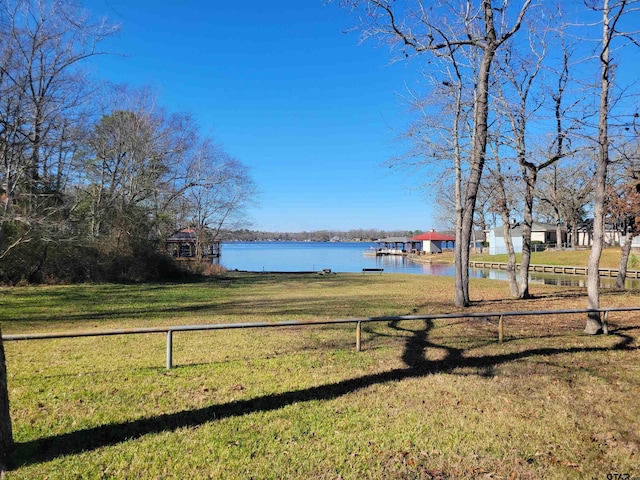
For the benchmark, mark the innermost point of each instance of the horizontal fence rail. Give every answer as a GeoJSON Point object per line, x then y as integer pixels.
{"type": "Point", "coordinates": [291, 323]}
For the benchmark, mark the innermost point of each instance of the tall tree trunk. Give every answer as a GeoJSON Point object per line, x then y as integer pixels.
{"type": "Point", "coordinates": [486, 42]}
{"type": "Point", "coordinates": [527, 225]}
{"type": "Point", "coordinates": [506, 226]}
{"type": "Point", "coordinates": [6, 434]}
{"type": "Point", "coordinates": [511, 255]}
{"type": "Point", "coordinates": [624, 259]}
{"type": "Point", "coordinates": [462, 277]}
{"type": "Point", "coordinates": [478, 155]}
{"type": "Point", "coordinates": [594, 323]}
{"type": "Point", "coordinates": [559, 242]}
{"type": "Point", "coordinates": [574, 233]}
{"type": "Point", "coordinates": [459, 280]}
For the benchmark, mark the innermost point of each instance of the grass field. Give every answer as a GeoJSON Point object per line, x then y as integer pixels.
{"type": "Point", "coordinates": [424, 399]}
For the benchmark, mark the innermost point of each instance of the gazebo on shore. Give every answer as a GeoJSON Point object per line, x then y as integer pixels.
{"type": "Point", "coordinates": [185, 245]}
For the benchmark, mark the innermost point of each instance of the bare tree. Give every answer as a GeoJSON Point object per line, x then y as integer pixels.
{"type": "Point", "coordinates": [525, 98]}
{"type": "Point", "coordinates": [41, 43]}
{"type": "Point", "coordinates": [219, 190]}
{"type": "Point", "coordinates": [623, 203]}
{"type": "Point", "coordinates": [42, 96]}
{"type": "Point", "coordinates": [499, 182]}
{"type": "Point", "coordinates": [612, 13]}
{"type": "Point", "coordinates": [148, 172]}
{"type": "Point", "coordinates": [565, 191]}
{"type": "Point", "coordinates": [131, 166]}
{"type": "Point", "coordinates": [445, 136]}
{"type": "Point", "coordinates": [520, 72]}
{"type": "Point", "coordinates": [444, 32]}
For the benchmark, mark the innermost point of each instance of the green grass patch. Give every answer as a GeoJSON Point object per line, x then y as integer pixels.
{"type": "Point", "coordinates": [424, 399]}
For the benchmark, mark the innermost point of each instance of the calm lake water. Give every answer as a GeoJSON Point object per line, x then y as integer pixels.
{"type": "Point", "coordinates": [350, 257]}
{"type": "Point", "coordinates": [310, 257]}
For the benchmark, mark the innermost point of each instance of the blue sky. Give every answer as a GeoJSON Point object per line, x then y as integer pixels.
{"type": "Point", "coordinates": [282, 87]}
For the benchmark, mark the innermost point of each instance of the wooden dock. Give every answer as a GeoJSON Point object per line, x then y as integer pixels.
{"type": "Point", "coordinates": [555, 269]}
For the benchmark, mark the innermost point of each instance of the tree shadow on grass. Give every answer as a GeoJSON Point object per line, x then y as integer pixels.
{"type": "Point", "coordinates": [416, 344]}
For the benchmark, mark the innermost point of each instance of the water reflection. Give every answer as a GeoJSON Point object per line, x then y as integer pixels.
{"type": "Point", "coordinates": [351, 257]}
{"type": "Point", "coordinates": [396, 263]}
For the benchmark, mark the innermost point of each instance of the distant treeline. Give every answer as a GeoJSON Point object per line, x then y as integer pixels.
{"type": "Point", "coordinates": [358, 235]}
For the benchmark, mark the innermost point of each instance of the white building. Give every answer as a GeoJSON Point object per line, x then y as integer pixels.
{"type": "Point", "coordinates": [544, 233]}
{"type": "Point", "coordinates": [434, 242]}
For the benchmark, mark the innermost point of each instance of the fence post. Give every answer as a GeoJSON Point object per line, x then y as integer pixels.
{"type": "Point", "coordinates": [500, 329]}
{"type": "Point", "coordinates": [169, 349]}
{"type": "Point", "coordinates": [605, 323]}
{"type": "Point", "coordinates": [358, 336]}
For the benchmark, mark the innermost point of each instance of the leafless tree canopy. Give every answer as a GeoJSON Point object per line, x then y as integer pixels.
{"type": "Point", "coordinates": [525, 90]}
{"type": "Point", "coordinates": [462, 39]}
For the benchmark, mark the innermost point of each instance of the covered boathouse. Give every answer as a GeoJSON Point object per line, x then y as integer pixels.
{"type": "Point", "coordinates": [433, 242]}
{"type": "Point", "coordinates": [423, 244]}
{"type": "Point", "coordinates": [394, 246]}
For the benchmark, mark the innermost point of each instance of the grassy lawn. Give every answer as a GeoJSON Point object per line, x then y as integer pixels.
{"type": "Point", "coordinates": [424, 399]}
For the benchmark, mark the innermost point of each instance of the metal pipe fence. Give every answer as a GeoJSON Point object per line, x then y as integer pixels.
{"type": "Point", "coordinates": [290, 323]}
